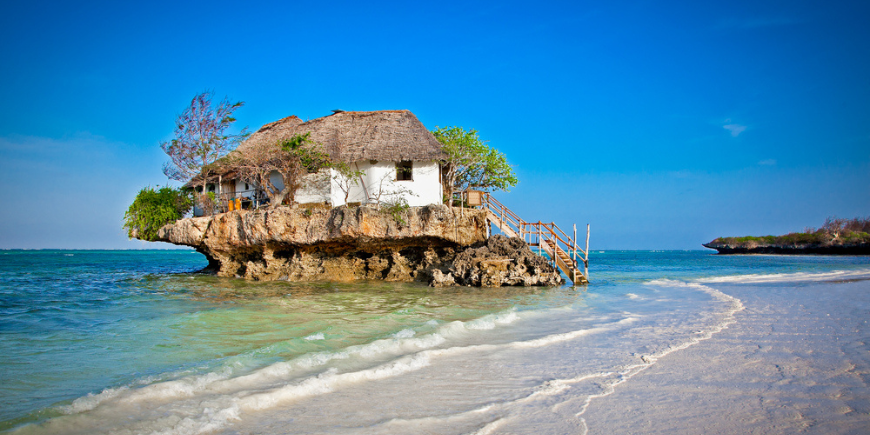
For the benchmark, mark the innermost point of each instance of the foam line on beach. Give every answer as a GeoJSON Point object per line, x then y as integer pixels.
{"type": "Point", "coordinates": [494, 414]}
{"type": "Point", "coordinates": [839, 275]}
{"type": "Point", "coordinates": [555, 393]}
{"type": "Point", "coordinates": [332, 380]}
{"type": "Point", "coordinates": [626, 373]}
{"type": "Point", "coordinates": [226, 400]}
{"type": "Point", "coordinates": [608, 381]}
{"type": "Point", "coordinates": [222, 381]}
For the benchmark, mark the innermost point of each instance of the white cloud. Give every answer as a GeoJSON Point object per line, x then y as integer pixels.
{"type": "Point", "coordinates": [768, 162]}
{"type": "Point", "coordinates": [735, 129]}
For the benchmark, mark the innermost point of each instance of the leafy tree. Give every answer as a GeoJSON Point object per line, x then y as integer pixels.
{"type": "Point", "coordinates": [471, 162]}
{"type": "Point", "coordinates": [292, 158]}
{"type": "Point", "coordinates": [153, 209]}
{"type": "Point", "coordinates": [201, 138]}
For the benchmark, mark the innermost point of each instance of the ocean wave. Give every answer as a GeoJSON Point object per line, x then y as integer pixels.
{"type": "Point", "coordinates": [222, 380]}
{"type": "Point", "coordinates": [838, 275]}
{"type": "Point", "coordinates": [210, 402]}
{"type": "Point", "coordinates": [313, 337]}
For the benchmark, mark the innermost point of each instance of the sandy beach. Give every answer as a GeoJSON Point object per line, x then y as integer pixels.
{"type": "Point", "coordinates": [796, 360]}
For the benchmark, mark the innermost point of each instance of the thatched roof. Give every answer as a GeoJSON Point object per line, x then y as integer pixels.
{"type": "Point", "coordinates": [387, 135]}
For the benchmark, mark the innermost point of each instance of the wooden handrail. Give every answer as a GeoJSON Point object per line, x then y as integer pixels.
{"type": "Point", "coordinates": [493, 204]}
{"type": "Point", "coordinates": [548, 236]}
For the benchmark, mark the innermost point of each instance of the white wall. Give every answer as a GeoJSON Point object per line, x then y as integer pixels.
{"type": "Point", "coordinates": [240, 187]}
{"type": "Point", "coordinates": [315, 188]}
{"type": "Point", "coordinates": [356, 193]}
{"type": "Point", "coordinates": [424, 189]}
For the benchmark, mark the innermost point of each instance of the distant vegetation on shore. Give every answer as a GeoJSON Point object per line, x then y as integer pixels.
{"type": "Point", "coordinates": [834, 232]}
{"type": "Point", "coordinates": [835, 237]}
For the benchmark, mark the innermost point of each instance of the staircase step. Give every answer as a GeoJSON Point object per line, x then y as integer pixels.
{"type": "Point", "coordinates": [561, 257]}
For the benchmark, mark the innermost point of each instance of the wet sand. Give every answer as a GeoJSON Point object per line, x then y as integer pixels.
{"type": "Point", "coordinates": [796, 360]}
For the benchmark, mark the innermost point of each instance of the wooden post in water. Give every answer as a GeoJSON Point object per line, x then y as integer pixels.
{"type": "Point", "coordinates": [575, 246]}
{"type": "Point", "coordinates": [586, 261]}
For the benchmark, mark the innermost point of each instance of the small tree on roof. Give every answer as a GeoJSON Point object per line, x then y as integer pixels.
{"type": "Point", "coordinates": [201, 138]}
{"type": "Point", "coordinates": [470, 162]}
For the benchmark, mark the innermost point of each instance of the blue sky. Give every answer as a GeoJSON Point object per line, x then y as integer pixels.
{"type": "Point", "coordinates": [662, 124]}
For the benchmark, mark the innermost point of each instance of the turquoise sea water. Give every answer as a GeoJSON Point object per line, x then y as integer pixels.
{"type": "Point", "coordinates": [134, 342]}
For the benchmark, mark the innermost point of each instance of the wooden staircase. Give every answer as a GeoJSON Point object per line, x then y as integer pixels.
{"type": "Point", "coordinates": [564, 261]}
{"type": "Point", "coordinates": [560, 249]}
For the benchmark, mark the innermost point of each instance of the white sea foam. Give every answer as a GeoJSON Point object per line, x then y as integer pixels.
{"type": "Point", "coordinates": [161, 391]}
{"type": "Point", "coordinates": [91, 401]}
{"type": "Point", "coordinates": [209, 402]}
{"type": "Point", "coordinates": [572, 335]}
{"type": "Point", "coordinates": [554, 393]}
{"type": "Point", "coordinates": [611, 380]}
{"type": "Point", "coordinates": [492, 320]}
{"type": "Point", "coordinates": [222, 382]}
{"type": "Point", "coordinates": [331, 380]}
{"type": "Point", "coordinates": [405, 333]}
{"type": "Point", "coordinates": [605, 382]}
{"type": "Point", "coordinates": [839, 275]}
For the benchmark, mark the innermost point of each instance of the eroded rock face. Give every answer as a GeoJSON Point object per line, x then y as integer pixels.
{"type": "Point", "coordinates": [497, 262]}
{"type": "Point", "coordinates": [427, 244]}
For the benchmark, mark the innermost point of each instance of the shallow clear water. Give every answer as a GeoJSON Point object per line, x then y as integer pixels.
{"type": "Point", "coordinates": [131, 341]}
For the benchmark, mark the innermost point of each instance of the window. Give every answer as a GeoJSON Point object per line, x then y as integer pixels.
{"type": "Point", "coordinates": [405, 171]}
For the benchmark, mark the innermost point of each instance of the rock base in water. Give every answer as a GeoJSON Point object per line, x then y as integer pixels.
{"type": "Point", "coordinates": [440, 245]}
{"type": "Point", "coordinates": [497, 262]}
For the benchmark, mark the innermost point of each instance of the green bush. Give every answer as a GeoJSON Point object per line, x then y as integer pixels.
{"type": "Point", "coordinates": [856, 237]}
{"type": "Point", "coordinates": [396, 208]}
{"type": "Point", "coordinates": [153, 209]}
{"type": "Point", "coordinates": [834, 231]}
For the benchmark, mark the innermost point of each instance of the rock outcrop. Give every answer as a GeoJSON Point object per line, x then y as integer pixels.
{"type": "Point", "coordinates": [753, 247]}
{"type": "Point", "coordinates": [426, 244]}
{"type": "Point", "coordinates": [499, 261]}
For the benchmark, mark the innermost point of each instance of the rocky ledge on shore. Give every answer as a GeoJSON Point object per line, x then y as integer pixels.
{"type": "Point", "coordinates": [440, 245]}
{"type": "Point", "coordinates": [497, 262]}
{"type": "Point", "coordinates": [756, 247]}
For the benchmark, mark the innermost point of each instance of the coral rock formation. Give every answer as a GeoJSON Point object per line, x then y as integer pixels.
{"type": "Point", "coordinates": [499, 261]}
{"type": "Point", "coordinates": [437, 244]}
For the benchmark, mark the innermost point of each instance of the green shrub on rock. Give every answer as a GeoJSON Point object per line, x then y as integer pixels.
{"type": "Point", "coordinates": [153, 209]}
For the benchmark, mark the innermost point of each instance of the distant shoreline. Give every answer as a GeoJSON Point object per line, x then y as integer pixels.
{"type": "Point", "coordinates": [750, 248]}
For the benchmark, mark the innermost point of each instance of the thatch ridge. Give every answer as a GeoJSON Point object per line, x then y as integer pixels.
{"type": "Point", "coordinates": [386, 135]}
